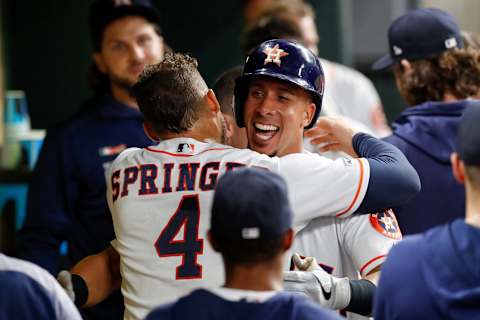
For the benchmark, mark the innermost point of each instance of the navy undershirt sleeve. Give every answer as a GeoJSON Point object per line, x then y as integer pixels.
{"type": "Point", "coordinates": [393, 181]}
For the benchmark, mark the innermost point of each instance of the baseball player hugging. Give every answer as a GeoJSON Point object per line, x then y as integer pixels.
{"type": "Point", "coordinates": [160, 196]}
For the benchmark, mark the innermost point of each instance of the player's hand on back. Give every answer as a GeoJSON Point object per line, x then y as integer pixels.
{"type": "Point", "coordinates": [328, 291]}
{"type": "Point", "coordinates": [333, 134]}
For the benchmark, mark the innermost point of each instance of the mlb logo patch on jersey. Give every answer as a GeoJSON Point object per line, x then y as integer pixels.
{"type": "Point", "coordinates": [386, 223]}
{"type": "Point", "coordinates": [347, 162]}
{"type": "Point", "coordinates": [186, 147]}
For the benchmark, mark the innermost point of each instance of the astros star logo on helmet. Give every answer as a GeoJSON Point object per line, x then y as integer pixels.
{"type": "Point", "coordinates": [274, 55]}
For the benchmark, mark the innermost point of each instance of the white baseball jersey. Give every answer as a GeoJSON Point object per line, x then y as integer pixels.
{"type": "Point", "coordinates": [362, 102]}
{"type": "Point", "coordinates": [349, 247]}
{"type": "Point", "coordinates": [160, 199]}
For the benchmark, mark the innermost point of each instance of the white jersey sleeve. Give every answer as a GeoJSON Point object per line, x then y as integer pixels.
{"type": "Point", "coordinates": [368, 238]}
{"type": "Point", "coordinates": [322, 187]}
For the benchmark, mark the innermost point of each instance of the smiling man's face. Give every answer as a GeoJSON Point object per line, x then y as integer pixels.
{"type": "Point", "coordinates": [275, 114]}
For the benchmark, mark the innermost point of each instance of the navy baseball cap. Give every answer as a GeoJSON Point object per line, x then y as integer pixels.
{"type": "Point", "coordinates": [420, 34]}
{"type": "Point", "coordinates": [468, 139]}
{"type": "Point", "coordinates": [103, 12]}
{"type": "Point", "coordinates": [250, 204]}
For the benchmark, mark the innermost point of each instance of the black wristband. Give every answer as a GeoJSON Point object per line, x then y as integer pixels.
{"type": "Point", "coordinates": [81, 290]}
{"type": "Point", "coordinates": [362, 293]}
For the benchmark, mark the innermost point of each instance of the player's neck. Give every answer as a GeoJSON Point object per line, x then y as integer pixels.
{"type": "Point", "coordinates": [122, 95]}
{"type": "Point", "coordinates": [187, 134]}
{"type": "Point", "coordinates": [259, 277]}
{"type": "Point", "coordinates": [294, 148]}
{"type": "Point", "coordinates": [472, 215]}
{"type": "Point", "coordinates": [193, 133]}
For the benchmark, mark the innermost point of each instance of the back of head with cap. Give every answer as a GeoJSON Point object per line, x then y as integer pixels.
{"type": "Point", "coordinates": [251, 215]}
{"type": "Point", "coordinates": [429, 60]}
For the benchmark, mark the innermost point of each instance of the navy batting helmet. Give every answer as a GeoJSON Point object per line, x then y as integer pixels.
{"type": "Point", "coordinates": [284, 60]}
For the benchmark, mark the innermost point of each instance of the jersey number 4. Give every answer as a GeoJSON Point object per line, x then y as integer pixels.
{"type": "Point", "coordinates": [188, 247]}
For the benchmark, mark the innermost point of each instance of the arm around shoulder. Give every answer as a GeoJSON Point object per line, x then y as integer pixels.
{"type": "Point", "coordinates": [393, 181]}
{"type": "Point", "coordinates": [95, 277]}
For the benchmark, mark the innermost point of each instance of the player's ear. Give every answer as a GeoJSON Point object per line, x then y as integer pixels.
{"type": "Point", "coordinates": [211, 239]}
{"type": "Point", "coordinates": [212, 101]}
{"type": "Point", "coordinates": [98, 59]}
{"type": "Point", "coordinates": [287, 240]}
{"type": "Point", "coordinates": [458, 168]}
{"type": "Point", "coordinates": [150, 132]}
{"type": "Point", "coordinates": [308, 114]}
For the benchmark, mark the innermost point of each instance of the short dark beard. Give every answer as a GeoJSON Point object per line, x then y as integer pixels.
{"type": "Point", "coordinates": [121, 83]}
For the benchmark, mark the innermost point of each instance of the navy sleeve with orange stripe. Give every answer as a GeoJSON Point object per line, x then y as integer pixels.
{"type": "Point", "coordinates": [393, 181]}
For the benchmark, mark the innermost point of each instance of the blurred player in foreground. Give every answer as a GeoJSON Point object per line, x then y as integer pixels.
{"type": "Point", "coordinates": [28, 292]}
{"type": "Point", "coordinates": [438, 270]}
{"type": "Point", "coordinates": [251, 227]}
{"type": "Point", "coordinates": [160, 196]}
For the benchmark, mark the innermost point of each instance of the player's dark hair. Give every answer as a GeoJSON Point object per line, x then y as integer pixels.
{"type": "Point", "coordinates": [455, 71]}
{"type": "Point", "coordinates": [169, 93]}
{"type": "Point", "coordinates": [473, 176]}
{"type": "Point", "coordinates": [223, 88]}
{"type": "Point", "coordinates": [270, 27]}
{"type": "Point", "coordinates": [248, 252]}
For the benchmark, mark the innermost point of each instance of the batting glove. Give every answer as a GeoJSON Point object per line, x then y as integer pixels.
{"type": "Point", "coordinates": [328, 291]}
{"type": "Point", "coordinates": [65, 280]}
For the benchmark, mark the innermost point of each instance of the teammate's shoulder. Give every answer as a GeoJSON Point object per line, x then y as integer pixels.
{"type": "Point", "coordinates": [23, 297]}
{"type": "Point", "coordinates": [305, 155]}
{"type": "Point", "coordinates": [127, 156]}
{"type": "Point", "coordinates": [13, 264]}
{"type": "Point", "coordinates": [407, 248]}
{"type": "Point", "coordinates": [39, 283]}
{"type": "Point", "coordinates": [186, 307]}
{"type": "Point", "coordinates": [305, 309]}
{"type": "Point", "coordinates": [162, 312]}
{"type": "Point", "coordinates": [413, 243]}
